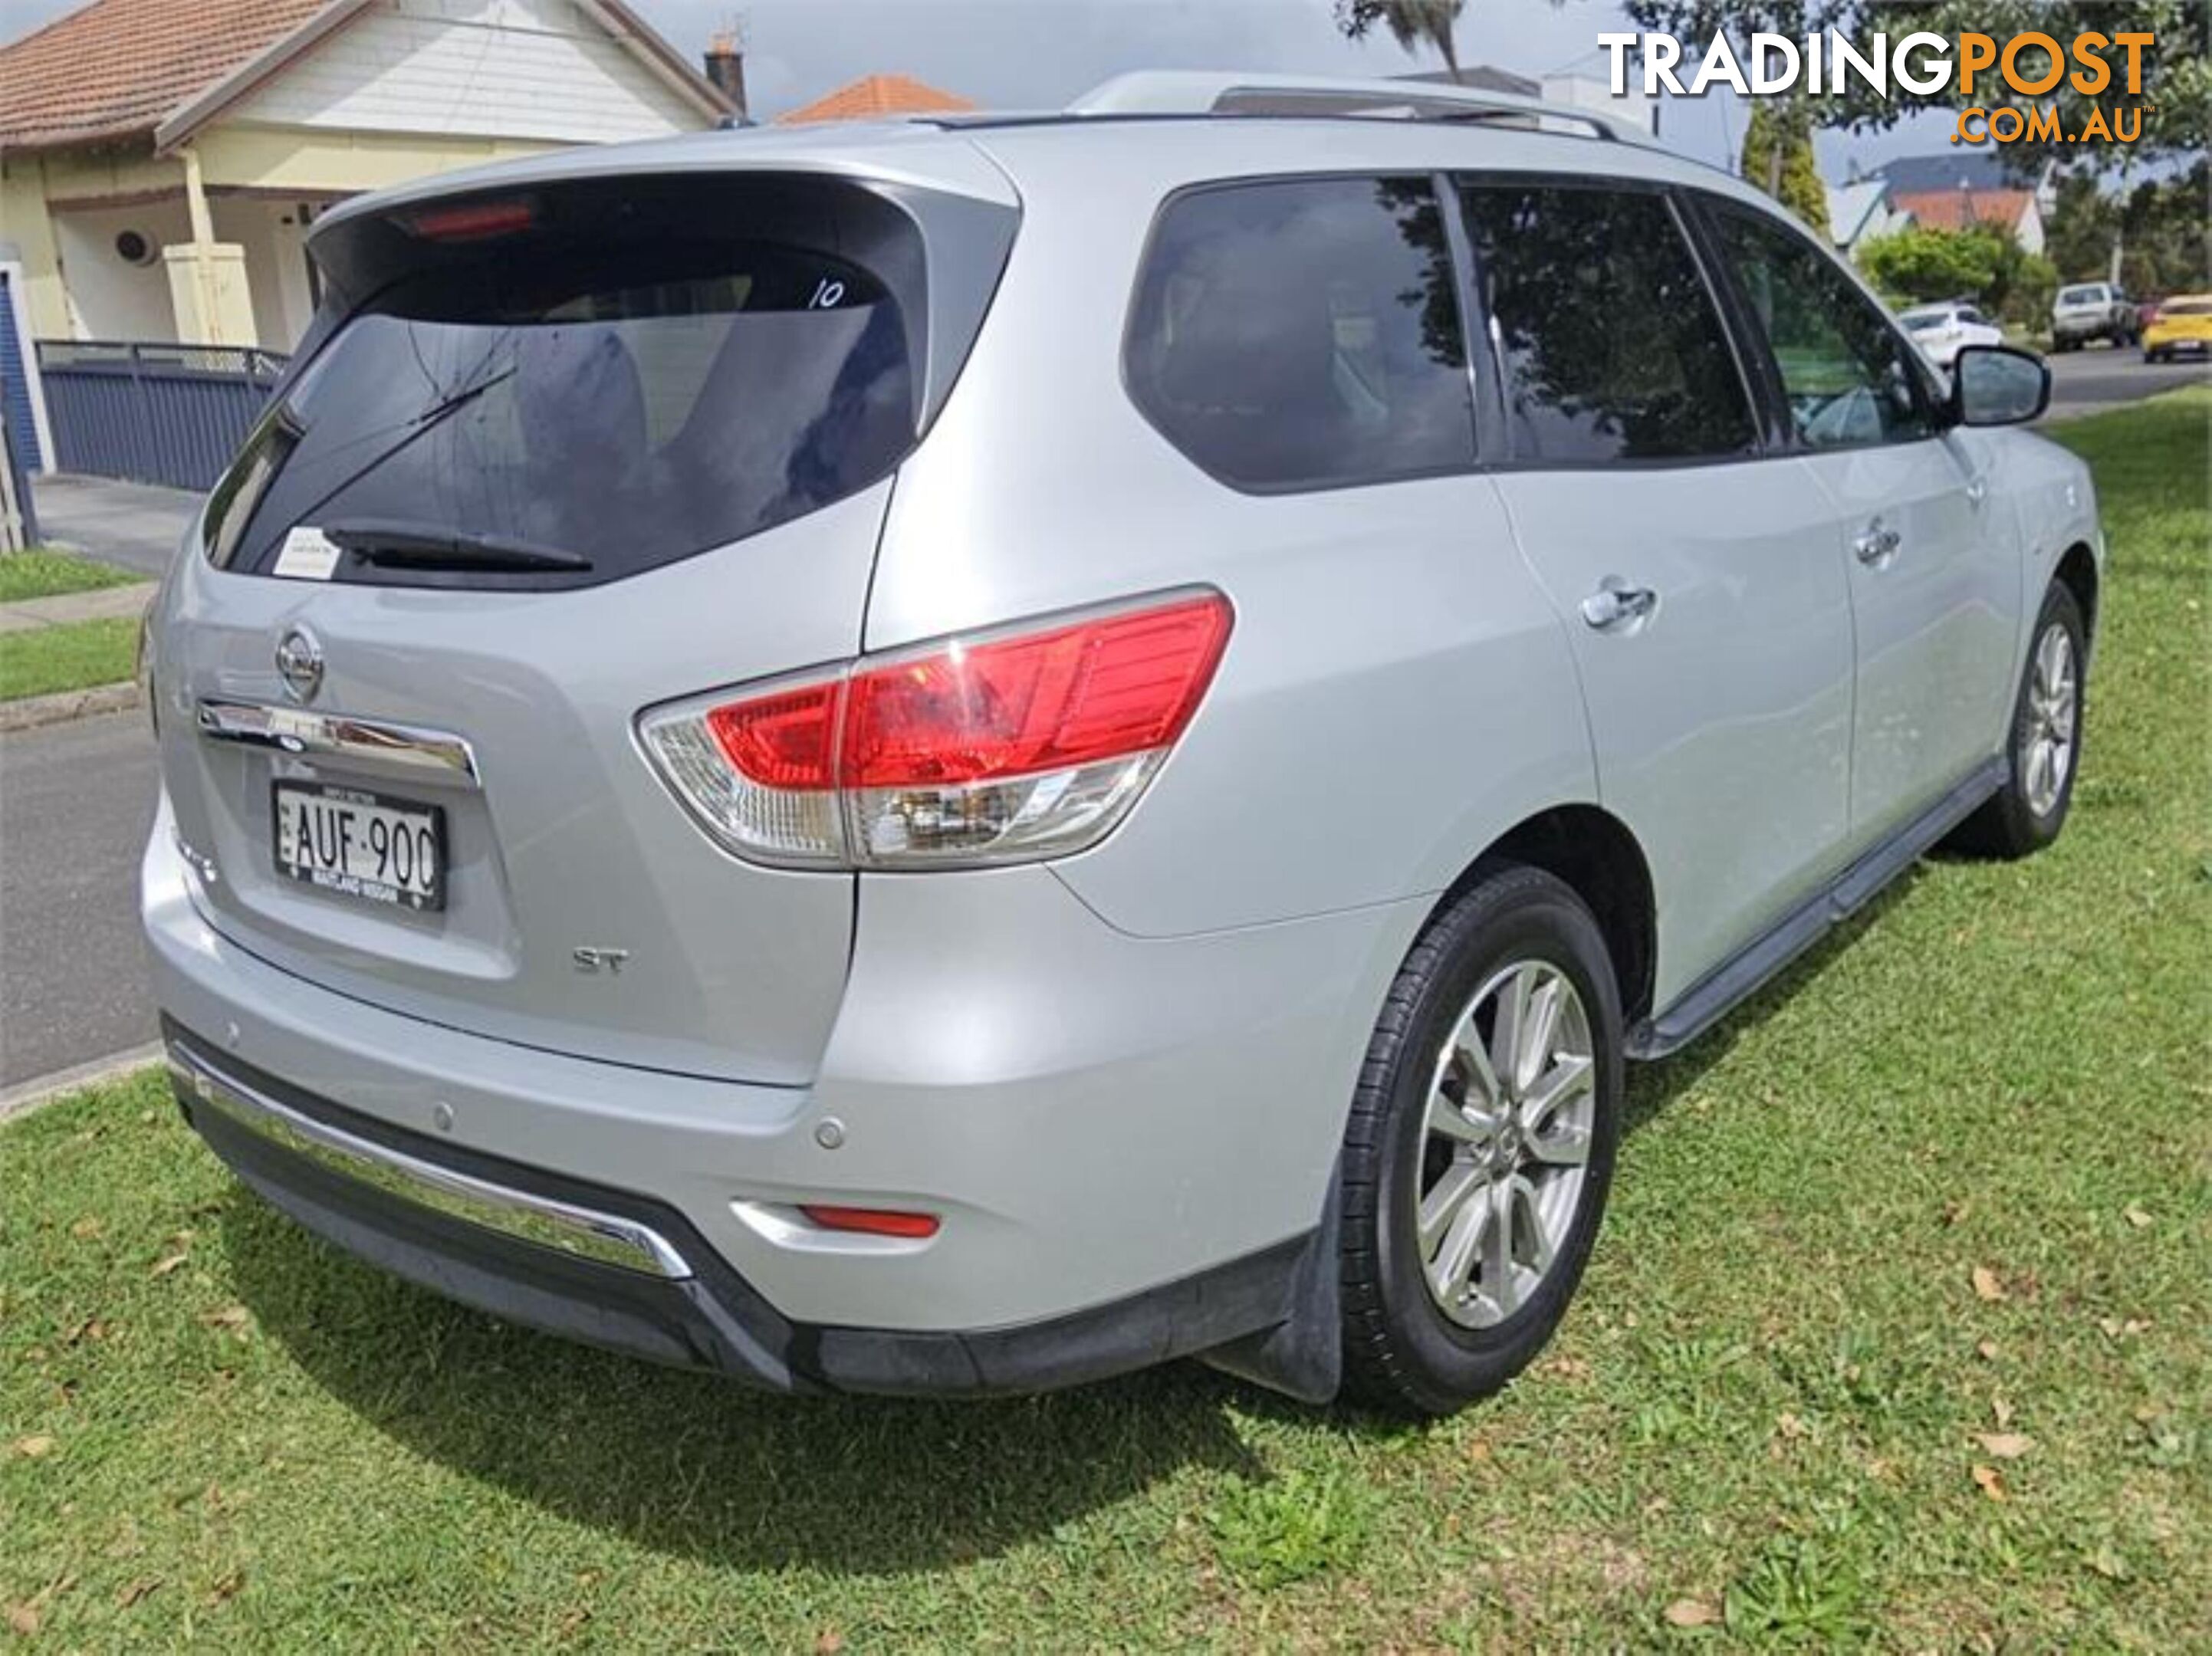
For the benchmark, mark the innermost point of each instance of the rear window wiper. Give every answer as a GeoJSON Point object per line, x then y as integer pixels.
{"type": "Point", "coordinates": [401, 541]}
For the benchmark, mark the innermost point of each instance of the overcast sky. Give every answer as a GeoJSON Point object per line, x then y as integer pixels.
{"type": "Point", "coordinates": [1040, 54]}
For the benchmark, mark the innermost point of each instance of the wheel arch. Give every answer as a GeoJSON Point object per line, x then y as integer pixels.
{"type": "Point", "coordinates": [2077, 571]}
{"type": "Point", "coordinates": [1594, 851]}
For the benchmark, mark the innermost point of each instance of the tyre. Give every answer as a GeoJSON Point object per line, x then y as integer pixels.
{"type": "Point", "coordinates": [2026, 814]}
{"type": "Point", "coordinates": [1480, 1146]}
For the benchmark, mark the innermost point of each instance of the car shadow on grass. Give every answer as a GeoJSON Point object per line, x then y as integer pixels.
{"type": "Point", "coordinates": [698, 1467]}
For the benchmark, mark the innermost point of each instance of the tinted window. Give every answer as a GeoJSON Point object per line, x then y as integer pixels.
{"type": "Point", "coordinates": [1303, 334]}
{"type": "Point", "coordinates": [1850, 379]}
{"type": "Point", "coordinates": [1609, 343]}
{"type": "Point", "coordinates": [627, 379]}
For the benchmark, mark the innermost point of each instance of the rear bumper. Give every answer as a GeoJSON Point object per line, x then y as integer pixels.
{"type": "Point", "coordinates": [1128, 1142]}
{"type": "Point", "coordinates": [613, 1271]}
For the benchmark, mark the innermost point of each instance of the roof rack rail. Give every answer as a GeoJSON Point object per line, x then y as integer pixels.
{"type": "Point", "coordinates": [1223, 92]}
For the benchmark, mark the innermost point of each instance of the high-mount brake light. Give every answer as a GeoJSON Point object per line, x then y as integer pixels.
{"type": "Point", "coordinates": [473, 221]}
{"type": "Point", "coordinates": [1006, 746]}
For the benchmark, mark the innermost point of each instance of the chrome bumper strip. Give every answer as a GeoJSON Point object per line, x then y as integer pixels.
{"type": "Point", "coordinates": [405, 748]}
{"type": "Point", "coordinates": [602, 1238]}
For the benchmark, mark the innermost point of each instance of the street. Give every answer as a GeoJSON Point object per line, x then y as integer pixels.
{"type": "Point", "coordinates": [75, 806]}
{"type": "Point", "coordinates": [2099, 377]}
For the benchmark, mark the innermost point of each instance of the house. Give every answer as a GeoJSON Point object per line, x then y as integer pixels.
{"type": "Point", "coordinates": [1953, 192]}
{"type": "Point", "coordinates": [1861, 210]}
{"type": "Point", "coordinates": [877, 98]}
{"type": "Point", "coordinates": [160, 160]}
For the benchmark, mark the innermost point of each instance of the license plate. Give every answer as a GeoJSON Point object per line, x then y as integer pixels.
{"type": "Point", "coordinates": [363, 846]}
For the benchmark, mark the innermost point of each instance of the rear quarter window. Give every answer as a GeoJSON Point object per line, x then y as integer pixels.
{"type": "Point", "coordinates": [1302, 334]}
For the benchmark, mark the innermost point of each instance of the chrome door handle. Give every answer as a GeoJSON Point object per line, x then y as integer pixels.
{"type": "Point", "coordinates": [1616, 606]}
{"type": "Point", "coordinates": [1878, 545]}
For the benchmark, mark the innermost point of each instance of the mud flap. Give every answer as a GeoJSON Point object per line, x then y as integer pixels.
{"type": "Point", "coordinates": [1303, 1356]}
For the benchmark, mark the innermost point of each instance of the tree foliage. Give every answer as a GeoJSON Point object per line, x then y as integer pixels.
{"type": "Point", "coordinates": [1413, 23]}
{"type": "Point", "coordinates": [1920, 264]}
{"type": "Point", "coordinates": [1777, 157]}
{"type": "Point", "coordinates": [2176, 101]}
{"type": "Point", "coordinates": [2163, 228]}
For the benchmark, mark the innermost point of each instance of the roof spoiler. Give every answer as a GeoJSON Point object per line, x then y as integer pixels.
{"type": "Point", "coordinates": [1216, 92]}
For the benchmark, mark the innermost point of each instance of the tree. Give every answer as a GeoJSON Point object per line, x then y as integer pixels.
{"type": "Point", "coordinates": [2166, 229]}
{"type": "Point", "coordinates": [2082, 228]}
{"type": "Point", "coordinates": [1412, 23]}
{"type": "Point", "coordinates": [1917, 264]}
{"type": "Point", "coordinates": [1777, 157]}
{"type": "Point", "coordinates": [2163, 229]}
{"type": "Point", "coordinates": [2175, 104]}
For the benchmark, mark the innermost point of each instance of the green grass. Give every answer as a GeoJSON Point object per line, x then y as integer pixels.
{"type": "Point", "coordinates": [41, 573]}
{"type": "Point", "coordinates": [74, 656]}
{"type": "Point", "coordinates": [1766, 1407]}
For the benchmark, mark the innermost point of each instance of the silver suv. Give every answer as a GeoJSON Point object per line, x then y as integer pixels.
{"type": "Point", "coordinates": [959, 757]}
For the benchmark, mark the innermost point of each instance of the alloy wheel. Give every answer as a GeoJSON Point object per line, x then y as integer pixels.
{"type": "Point", "coordinates": [2047, 752]}
{"type": "Point", "coordinates": [1511, 1109]}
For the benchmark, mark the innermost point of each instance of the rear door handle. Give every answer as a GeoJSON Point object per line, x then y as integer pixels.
{"type": "Point", "coordinates": [1617, 607]}
{"type": "Point", "coordinates": [1877, 545]}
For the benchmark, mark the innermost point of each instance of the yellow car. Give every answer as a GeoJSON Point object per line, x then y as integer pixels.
{"type": "Point", "coordinates": [2183, 327]}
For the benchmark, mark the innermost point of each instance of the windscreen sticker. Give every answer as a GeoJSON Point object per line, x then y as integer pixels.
{"type": "Point", "coordinates": [305, 555]}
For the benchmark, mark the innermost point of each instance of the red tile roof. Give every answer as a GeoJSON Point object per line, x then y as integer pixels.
{"type": "Point", "coordinates": [874, 97]}
{"type": "Point", "coordinates": [113, 69]}
{"type": "Point", "coordinates": [1954, 209]}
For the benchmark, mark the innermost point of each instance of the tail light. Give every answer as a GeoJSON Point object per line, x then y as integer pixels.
{"type": "Point", "coordinates": [1008, 746]}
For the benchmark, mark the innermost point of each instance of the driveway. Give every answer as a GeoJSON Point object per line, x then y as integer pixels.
{"type": "Point", "coordinates": [132, 526]}
{"type": "Point", "coordinates": [76, 803]}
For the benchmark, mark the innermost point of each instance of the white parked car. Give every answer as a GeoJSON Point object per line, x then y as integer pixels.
{"type": "Point", "coordinates": [1943, 332]}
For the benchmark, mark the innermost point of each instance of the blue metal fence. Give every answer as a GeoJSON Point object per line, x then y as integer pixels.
{"type": "Point", "coordinates": [152, 412]}
{"type": "Point", "coordinates": [15, 384]}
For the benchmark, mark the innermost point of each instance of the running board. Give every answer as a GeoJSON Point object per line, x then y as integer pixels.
{"type": "Point", "coordinates": [1720, 991]}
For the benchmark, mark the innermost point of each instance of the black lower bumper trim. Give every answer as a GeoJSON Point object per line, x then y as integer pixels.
{"type": "Point", "coordinates": [713, 1319]}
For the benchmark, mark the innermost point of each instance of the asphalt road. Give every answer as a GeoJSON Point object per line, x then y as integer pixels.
{"type": "Point", "coordinates": [2098, 376]}
{"type": "Point", "coordinates": [76, 802]}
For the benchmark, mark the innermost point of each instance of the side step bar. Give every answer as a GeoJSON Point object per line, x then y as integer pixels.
{"type": "Point", "coordinates": [1720, 991]}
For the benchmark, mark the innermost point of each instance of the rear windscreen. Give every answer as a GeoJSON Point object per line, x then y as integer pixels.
{"type": "Point", "coordinates": [609, 387]}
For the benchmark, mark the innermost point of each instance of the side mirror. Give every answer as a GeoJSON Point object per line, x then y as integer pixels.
{"type": "Point", "coordinates": [1997, 385]}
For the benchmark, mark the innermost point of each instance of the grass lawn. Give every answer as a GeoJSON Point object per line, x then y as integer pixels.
{"type": "Point", "coordinates": [40, 573]}
{"type": "Point", "coordinates": [75, 656]}
{"type": "Point", "coordinates": [1896, 1335]}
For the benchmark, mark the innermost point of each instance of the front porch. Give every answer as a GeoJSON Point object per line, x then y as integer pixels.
{"type": "Point", "coordinates": [218, 266]}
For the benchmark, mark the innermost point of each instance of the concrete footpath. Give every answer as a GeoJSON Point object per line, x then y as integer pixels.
{"type": "Point", "coordinates": [102, 604]}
